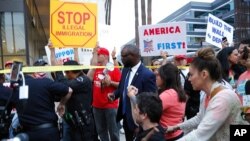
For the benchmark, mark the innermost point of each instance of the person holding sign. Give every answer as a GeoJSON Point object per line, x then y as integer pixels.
{"type": "Point", "coordinates": [224, 42]}
{"type": "Point", "coordinates": [228, 58]}
{"type": "Point", "coordinates": [104, 81]}
{"type": "Point", "coordinates": [218, 110]}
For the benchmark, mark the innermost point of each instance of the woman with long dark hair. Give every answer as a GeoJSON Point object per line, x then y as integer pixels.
{"type": "Point", "coordinates": [173, 98]}
{"type": "Point", "coordinates": [228, 58]}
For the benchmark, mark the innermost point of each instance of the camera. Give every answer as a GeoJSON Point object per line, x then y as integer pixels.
{"type": "Point", "coordinates": [15, 71]}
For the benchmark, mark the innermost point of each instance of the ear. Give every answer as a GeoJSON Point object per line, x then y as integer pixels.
{"type": "Point", "coordinates": [144, 116]}
{"type": "Point", "coordinates": [204, 74]}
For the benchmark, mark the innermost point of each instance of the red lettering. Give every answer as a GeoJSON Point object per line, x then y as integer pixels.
{"type": "Point", "coordinates": [79, 18]}
{"type": "Point", "coordinates": [61, 19]}
{"type": "Point", "coordinates": [157, 31]}
{"type": "Point", "coordinates": [69, 13]}
{"type": "Point", "coordinates": [151, 31]}
{"type": "Point", "coordinates": [71, 17]}
{"type": "Point", "coordinates": [86, 17]}
{"type": "Point", "coordinates": [171, 29]}
{"type": "Point", "coordinates": [177, 30]}
{"type": "Point", "coordinates": [145, 32]}
{"type": "Point", "coordinates": [65, 60]}
{"type": "Point", "coordinates": [162, 31]}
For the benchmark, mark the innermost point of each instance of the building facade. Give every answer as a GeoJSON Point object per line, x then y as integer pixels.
{"type": "Point", "coordinates": [22, 36]}
{"type": "Point", "coordinates": [242, 19]}
{"type": "Point", "coordinates": [233, 12]}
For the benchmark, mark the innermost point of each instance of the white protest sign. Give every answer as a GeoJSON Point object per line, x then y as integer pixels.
{"type": "Point", "coordinates": [61, 54]}
{"type": "Point", "coordinates": [106, 38]}
{"type": "Point", "coordinates": [217, 29]}
{"type": "Point", "coordinates": [170, 37]}
{"type": "Point", "coordinates": [85, 55]}
{"type": "Point", "coordinates": [48, 53]}
{"type": "Point", "coordinates": [64, 54]}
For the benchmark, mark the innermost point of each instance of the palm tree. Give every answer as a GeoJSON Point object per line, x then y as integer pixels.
{"type": "Point", "coordinates": [149, 12]}
{"type": "Point", "coordinates": [143, 12]}
{"type": "Point", "coordinates": [136, 24]}
{"type": "Point", "coordinates": [108, 11]}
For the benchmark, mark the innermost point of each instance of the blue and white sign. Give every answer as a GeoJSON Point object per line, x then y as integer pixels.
{"type": "Point", "coordinates": [170, 37]}
{"type": "Point", "coordinates": [61, 55]}
{"type": "Point", "coordinates": [217, 29]}
{"type": "Point", "coordinates": [64, 54]}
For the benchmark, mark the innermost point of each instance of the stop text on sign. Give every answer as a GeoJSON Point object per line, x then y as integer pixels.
{"type": "Point", "coordinates": [70, 17]}
{"type": "Point", "coordinates": [73, 24]}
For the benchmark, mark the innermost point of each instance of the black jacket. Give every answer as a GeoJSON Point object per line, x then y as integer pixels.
{"type": "Point", "coordinates": [156, 136]}
{"type": "Point", "coordinates": [81, 98]}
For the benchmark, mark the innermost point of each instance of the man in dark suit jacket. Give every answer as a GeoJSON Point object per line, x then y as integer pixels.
{"type": "Point", "coordinates": [137, 75]}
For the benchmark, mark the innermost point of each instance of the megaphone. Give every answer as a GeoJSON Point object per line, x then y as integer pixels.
{"type": "Point", "coordinates": [109, 67]}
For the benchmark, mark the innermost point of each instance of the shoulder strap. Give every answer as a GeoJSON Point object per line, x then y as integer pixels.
{"type": "Point", "coordinates": [150, 133]}
{"type": "Point", "coordinates": [213, 93]}
{"type": "Point", "coordinates": [182, 74]}
{"type": "Point", "coordinates": [216, 91]}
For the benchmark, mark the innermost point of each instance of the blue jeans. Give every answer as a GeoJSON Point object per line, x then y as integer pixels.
{"type": "Point", "coordinates": [105, 120]}
{"type": "Point", "coordinates": [14, 125]}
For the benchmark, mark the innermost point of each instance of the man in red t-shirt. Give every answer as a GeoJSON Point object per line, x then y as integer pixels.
{"type": "Point", "coordinates": [104, 82]}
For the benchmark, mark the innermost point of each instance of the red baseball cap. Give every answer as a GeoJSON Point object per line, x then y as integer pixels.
{"type": "Point", "coordinates": [180, 57]}
{"type": "Point", "coordinates": [103, 51]}
{"type": "Point", "coordinates": [8, 63]}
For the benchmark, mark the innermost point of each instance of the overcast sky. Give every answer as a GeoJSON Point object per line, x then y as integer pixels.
{"type": "Point", "coordinates": [122, 19]}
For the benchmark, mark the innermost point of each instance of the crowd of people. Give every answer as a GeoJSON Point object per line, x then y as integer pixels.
{"type": "Point", "coordinates": [197, 102]}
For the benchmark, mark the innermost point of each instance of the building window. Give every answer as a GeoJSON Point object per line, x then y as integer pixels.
{"type": "Point", "coordinates": [12, 36]}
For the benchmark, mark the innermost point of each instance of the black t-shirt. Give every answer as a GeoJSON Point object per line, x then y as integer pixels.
{"type": "Point", "coordinates": [156, 136]}
{"type": "Point", "coordinates": [39, 108]}
{"type": "Point", "coordinates": [5, 95]}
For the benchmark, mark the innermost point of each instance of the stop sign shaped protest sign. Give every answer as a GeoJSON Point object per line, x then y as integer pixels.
{"type": "Point", "coordinates": [73, 24]}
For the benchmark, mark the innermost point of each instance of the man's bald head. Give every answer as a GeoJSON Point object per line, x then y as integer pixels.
{"type": "Point", "coordinates": [132, 49]}
{"type": "Point", "coordinates": [130, 55]}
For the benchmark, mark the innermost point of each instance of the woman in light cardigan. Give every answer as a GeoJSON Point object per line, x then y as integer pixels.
{"type": "Point", "coordinates": [219, 109]}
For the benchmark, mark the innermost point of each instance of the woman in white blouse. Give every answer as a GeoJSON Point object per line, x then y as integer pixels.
{"type": "Point", "coordinates": [220, 107]}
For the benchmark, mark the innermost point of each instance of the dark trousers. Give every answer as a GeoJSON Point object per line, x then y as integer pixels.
{"type": "Point", "coordinates": [86, 133]}
{"type": "Point", "coordinates": [46, 134]}
{"type": "Point", "coordinates": [129, 134]}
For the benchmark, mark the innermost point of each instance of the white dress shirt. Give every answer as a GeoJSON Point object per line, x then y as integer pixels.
{"type": "Point", "coordinates": [133, 72]}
